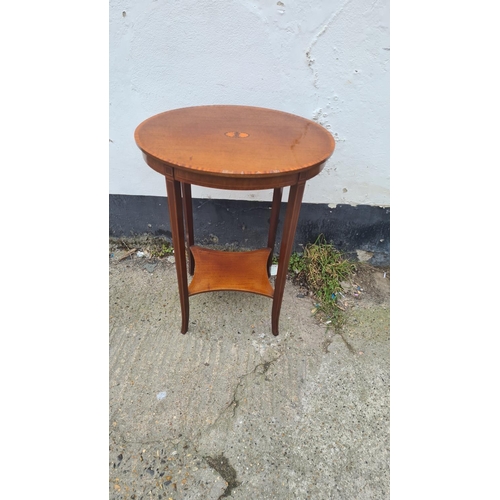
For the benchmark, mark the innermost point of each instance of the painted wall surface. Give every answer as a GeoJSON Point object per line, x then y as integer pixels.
{"type": "Point", "coordinates": [326, 60]}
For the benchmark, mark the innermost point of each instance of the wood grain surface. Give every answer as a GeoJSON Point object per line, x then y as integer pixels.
{"type": "Point", "coordinates": [238, 271]}
{"type": "Point", "coordinates": [234, 141]}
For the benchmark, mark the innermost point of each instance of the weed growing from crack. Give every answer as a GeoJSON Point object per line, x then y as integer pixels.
{"type": "Point", "coordinates": [322, 269]}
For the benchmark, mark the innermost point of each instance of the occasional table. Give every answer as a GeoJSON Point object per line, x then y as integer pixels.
{"type": "Point", "coordinates": [236, 148]}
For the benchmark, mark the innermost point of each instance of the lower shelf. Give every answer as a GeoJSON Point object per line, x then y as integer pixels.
{"type": "Point", "coordinates": [238, 271]}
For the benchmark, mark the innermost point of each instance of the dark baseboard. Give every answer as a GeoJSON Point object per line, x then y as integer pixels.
{"type": "Point", "coordinates": [360, 231]}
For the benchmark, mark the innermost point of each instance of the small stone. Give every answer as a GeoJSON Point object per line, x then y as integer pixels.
{"type": "Point", "coordinates": [150, 267]}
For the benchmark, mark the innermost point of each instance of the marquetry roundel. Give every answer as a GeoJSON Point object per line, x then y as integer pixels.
{"type": "Point", "coordinates": [237, 134]}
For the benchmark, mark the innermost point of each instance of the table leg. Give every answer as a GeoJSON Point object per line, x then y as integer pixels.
{"type": "Point", "coordinates": [188, 216]}
{"type": "Point", "coordinates": [291, 219]}
{"type": "Point", "coordinates": [177, 227]}
{"type": "Point", "coordinates": [273, 225]}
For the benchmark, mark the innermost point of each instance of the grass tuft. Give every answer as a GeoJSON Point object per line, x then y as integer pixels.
{"type": "Point", "coordinates": [322, 269]}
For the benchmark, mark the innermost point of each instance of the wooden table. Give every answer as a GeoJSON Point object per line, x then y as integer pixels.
{"type": "Point", "coordinates": [232, 147]}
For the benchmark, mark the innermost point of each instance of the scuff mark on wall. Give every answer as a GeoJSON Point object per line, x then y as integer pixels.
{"type": "Point", "coordinates": [310, 59]}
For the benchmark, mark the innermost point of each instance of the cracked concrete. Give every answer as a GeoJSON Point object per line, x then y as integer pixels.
{"type": "Point", "coordinates": [229, 410]}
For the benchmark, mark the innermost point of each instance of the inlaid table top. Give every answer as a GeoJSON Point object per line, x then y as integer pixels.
{"type": "Point", "coordinates": [235, 142]}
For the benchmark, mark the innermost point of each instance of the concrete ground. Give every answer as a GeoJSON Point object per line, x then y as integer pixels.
{"type": "Point", "coordinates": [229, 410]}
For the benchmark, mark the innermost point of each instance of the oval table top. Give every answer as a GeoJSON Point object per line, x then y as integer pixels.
{"type": "Point", "coordinates": [232, 142]}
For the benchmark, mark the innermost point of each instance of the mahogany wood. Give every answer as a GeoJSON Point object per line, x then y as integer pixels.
{"type": "Point", "coordinates": [187, 205]}
{"type": "Point", "coordinates": [175, 209]}
{"type": "Point", "coordinates": [245, 183]}
{"type": "Point", "coordinates": [238, 271]}
{"type": "Point", "coordinates": [237, 148]}
{"type": "Point", "coordinates": [234, 141]}
{"type": "Point", "coordinates": [291, 219]}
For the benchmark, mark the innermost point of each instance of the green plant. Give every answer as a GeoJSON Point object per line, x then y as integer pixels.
{"type": "Point", "coordinates": [296, 263]}
{"type": "Point", "coordinates": [160, 250]}
{"type": "Point", "coordinates": [322, 269]}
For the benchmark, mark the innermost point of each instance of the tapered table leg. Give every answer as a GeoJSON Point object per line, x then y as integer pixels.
{"type": "Point", "coordinates": [273, 225]}
{"type": "Point", "coordinates": [188, 216]}
{"type": "Point", "coordinates": [177, 227]}
{"type": "Point", "coordinates": [291, 219]}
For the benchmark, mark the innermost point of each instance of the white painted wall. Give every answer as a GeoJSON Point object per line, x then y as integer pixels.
{"type": "Point", "coordinates": [326, 60]}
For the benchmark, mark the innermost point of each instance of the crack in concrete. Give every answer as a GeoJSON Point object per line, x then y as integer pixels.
{"type": "Point", "coordinates": [327, 342]}
{"type": "Point", "coordinates": [349, 346]}
{"type": "Point", "coordinates": [234, 403]}
{"type": "Point", "coordinates": [310, 59]}
{"type": "Point", "coordinates": [219, 463]}
{"type": "Point", "coordinates": [265, 367]}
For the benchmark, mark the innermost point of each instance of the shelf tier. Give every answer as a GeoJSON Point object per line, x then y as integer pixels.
{"type": "Point", "coordinates": [237, 271]}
